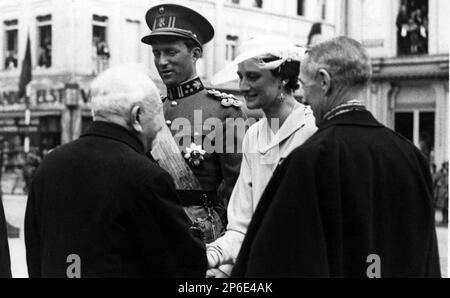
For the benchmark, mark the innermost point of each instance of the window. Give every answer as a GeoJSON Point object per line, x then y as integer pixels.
{"type": "Point", "coordinates": [100, 48]}
{"type": "Point", "coordinates": [230, 47]}
{"type": "Point", "coordinates": [412, 27]}
{"type": "Point", "coordinates": [258, 3]}
{"type": "Point", "coordinates": [44, 39]}
{"type": "Point", "coordinates": [300, 7]}
{"type": "Point", "coordinates": [11, 49]}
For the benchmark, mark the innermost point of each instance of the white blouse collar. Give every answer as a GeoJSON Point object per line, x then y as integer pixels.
{"type": "Point", "coordinates": [295, 121]}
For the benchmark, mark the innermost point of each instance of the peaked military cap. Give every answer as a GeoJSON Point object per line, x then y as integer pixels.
{"type": "Point", "coordinates": [177, 20]}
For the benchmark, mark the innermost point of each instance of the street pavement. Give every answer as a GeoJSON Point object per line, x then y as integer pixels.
{"type": "Point", "coordinates": [15, 204]}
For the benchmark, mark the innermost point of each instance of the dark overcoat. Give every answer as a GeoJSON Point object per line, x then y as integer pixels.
{"type": "Point", "coordinates": [355, 200]}
{"type": "Point", "coordinates": [100, 199]}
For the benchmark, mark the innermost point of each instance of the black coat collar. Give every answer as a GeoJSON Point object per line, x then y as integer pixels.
{"type": "Point", "coordinates": [115, 132]}
{"type": "Point", "coordinates": [353, 118]}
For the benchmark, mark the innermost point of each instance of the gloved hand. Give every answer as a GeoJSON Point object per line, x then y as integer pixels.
{"type": "Point", "coordinates": [213, 256]}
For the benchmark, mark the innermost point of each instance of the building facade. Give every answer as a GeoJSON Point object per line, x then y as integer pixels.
{"type": "Point", "coordinates": [408, 41]}
{"type": "Point", "coordinates": [74, 40]}
{"type": "Point", "coordinates": [71, 42]}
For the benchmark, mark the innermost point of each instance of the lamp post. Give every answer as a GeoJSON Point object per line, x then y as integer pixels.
{"type": "Point", "coordinates": [27, 120]}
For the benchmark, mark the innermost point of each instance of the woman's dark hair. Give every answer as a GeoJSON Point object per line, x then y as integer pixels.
{"type": "Point", "coordinates": [288, 71]}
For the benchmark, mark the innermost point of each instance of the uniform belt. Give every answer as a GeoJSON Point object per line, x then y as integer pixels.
{"type": "Point", "coordinates": [197, 198]}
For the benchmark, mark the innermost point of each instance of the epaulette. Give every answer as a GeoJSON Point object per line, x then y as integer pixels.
{"type": "Point", "coordinates": [226, 100]}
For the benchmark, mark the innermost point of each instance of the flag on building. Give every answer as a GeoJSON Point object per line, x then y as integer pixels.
{"type": "Point", "coordinates": [315, 34]}
{"type": "Point", "coordinates": [25, 74]}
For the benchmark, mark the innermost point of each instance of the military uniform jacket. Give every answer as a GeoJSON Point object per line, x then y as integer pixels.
{"type": "Point", "coordinates": [100, 198]}
{"type": "Point", "coordinates": [207, 118]}
{"type": "Point", "coordinates": [355, 189]}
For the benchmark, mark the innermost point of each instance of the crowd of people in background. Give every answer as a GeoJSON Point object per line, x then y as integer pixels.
{"type": "Point", "coordinates": [24, 170]}
{"type": "Point", "coordinates": [412, 28]}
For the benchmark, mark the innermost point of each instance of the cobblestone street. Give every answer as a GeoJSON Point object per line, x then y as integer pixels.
{"type": "Point", "coordinates": [15, 209]}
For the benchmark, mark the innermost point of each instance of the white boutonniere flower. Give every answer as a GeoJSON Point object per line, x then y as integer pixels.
{"type": "Point", "coordinates": [194, 154]}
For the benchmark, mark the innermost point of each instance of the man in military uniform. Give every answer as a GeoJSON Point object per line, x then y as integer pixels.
{"type": "Point", "coordinates": [204, 177]}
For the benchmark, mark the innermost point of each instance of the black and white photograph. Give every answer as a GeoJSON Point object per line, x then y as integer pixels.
{"type": "Point", "coordinates": [207, 140]}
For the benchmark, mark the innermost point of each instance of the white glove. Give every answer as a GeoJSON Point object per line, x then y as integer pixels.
{"type": "Point", "coordinates": [214, 254]}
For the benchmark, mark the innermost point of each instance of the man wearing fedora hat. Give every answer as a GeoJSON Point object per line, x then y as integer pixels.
{"type": "Point", "coordinates": [204, 177]}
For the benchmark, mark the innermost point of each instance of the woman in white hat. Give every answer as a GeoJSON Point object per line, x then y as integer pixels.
{"type": "Point", "coordinates": [268, 70]}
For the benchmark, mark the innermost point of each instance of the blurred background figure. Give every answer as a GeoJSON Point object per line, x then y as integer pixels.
{"type": "Point", "coordinates": [103, 56]}
{"type": "Point", "coordinates": [441, 192]}
{"type": "Point", "coordinates": [402, 29]}
{"type": "Point", "coordinates": [12, 232]}
{"type": "Point", "coordinates": [45, 54]}
{"type": "Point", "coordinates": [11, 61]}
{"type": "Point", "coordinates": [412, 28]}
{"type": "Point", "coordinates": [32, 162]}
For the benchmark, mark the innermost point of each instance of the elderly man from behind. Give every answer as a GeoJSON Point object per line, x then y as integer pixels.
{"type": "Point", "coordinates": [355, 200]}
{"type": "Point", "coordinates": [98, 207]}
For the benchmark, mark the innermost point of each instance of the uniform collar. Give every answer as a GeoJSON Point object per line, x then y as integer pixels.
{"type": "Point", "coordinates": [115, 132]}
{"type": "Point", "coordinates": [185, 89]}
{"type": "Point", "coordinates": [295, 121]}
{"type": "Point", "coordinates": [354, 118]}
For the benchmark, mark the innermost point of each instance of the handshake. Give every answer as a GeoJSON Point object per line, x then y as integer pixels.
{"type": "Point", "coordinates": [215, 268]}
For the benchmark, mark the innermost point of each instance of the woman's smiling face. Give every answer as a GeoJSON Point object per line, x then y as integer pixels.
{"type": "Point", "coordinates": [260, 86]}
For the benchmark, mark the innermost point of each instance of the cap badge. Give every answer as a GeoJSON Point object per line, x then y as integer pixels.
{"type": "Point", "coordinates": [164, 22]}
{"type": "Point", "coordinates": [161, 10]}
{"type": "Point", "coordinates": [161, 22]}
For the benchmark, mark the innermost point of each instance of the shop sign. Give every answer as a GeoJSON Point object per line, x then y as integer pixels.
{"type": "Point", "coordinates": [42, 95]}
{"type": "Point", "coordinates": [18, 121]}
{"type": "Point", "coordinates": [19, 129]}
